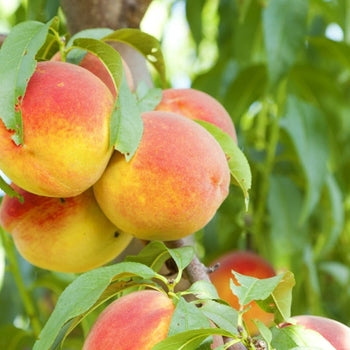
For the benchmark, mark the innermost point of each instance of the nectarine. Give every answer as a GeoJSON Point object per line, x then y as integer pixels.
{"type": "Point", "coordinates": [66, 119]}
{"type": "Point", "coordinates": [246, 263]}
{"type": "Point", "coordinates": [172, 186]}
{"type": "Point", "coordinates": [135, 321]}
{"type": "Point", "coordinates": [337, 333]}
{"type": "Point", "coordinates": [195, 104]}
{"type": "Point", "coordinates": [67, 235]}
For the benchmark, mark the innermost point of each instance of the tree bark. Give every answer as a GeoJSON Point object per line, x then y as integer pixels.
{"type": "Point", "coordinates": [112, 14]}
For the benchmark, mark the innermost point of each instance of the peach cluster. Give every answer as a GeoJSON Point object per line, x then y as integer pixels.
{"type": "Point", "coordinates": [83, 201]}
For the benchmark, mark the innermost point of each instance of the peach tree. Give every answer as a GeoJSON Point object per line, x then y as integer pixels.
{"type": "Point", "coordinates": [53, 230]}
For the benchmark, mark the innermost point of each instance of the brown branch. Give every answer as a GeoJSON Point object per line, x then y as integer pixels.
{"type": "Point", "coordinates": [103, 13]}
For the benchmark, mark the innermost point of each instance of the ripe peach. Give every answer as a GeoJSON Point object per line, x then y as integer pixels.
{"type": "Point", "coordinates": [66, 116]}
{"type": "Point", "coordinates": [172, 186]}
{"type": "Point", "coordinates": [93, 64]}
{"type": "Point", "coordinates": [245, 263]}
{"type": "Point", "coordinates": [67, 235]}
{"type": "Point", "coordinates": [337, 333]}
{"type": "Point", "coordinates": [195, 104]}
{"type": "Point", "coordinates": [138, 320]}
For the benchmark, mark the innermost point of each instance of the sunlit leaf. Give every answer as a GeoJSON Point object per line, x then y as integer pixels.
{"type": "Point", "coordinates": [17, 64]}
{"type": "Point", "coordinates": [251, 288]}
{"type": "Point", "coordinates": [145, 43]}
{"type": "Point", "coordinates": [297, 337]}
{"type": "Point", "coordinates": [81, 295]}
{"type": "Point", "coordinates": [238, 164]}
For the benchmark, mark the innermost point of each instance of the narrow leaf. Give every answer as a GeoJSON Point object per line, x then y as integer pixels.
{"type": "Point", "coordinates": [189, 340]}
{"type": "Point", "coordinates": [126, 122]}
{"type": "Point", "coordinates": [238, 164]}
{"type": "Point", "coordinates": [108, 56]}
{"type": "Point", "coordinates": [308, 131]}
{"type": "Point", "coordinates": [283, 44]}
{"type": "Point", "coordinates": [83, 293]}
{"type": "Point", "coordinates": [17, 64]}
{"type": "Point", "coordinates": [9, 190]}
{"type": "Point", "coordinates": [145, 43]}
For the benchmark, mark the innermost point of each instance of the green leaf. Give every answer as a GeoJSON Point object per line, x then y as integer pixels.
{"type": "Point", "coordinates": [249, 86]}
{"type": "Point", "coordinates": [16, 338]}
{"type": "Point", "coordinates": [223, 315]}
{"type": "Point", "coordinates": [17, 64]}
{"type": "Point", "coordinates": [126, 122]}
{"type": "Point", "coordinates": [155, 253]}
{"type": "Point", "coordinates": [308, 131]}
{"type": "Point", "coordinates": [238, 164]}
{"type": "Point", "coordinates": [187, 316]}
{"type": "Point", "coordinates": [252, 288]}
{"type": "Point", "coordinates": [9, 190]}
{"type": "Point", "coordinates": [189, 340]}
{"type": "Point", "coordinates": [203, 290]}
{"type": "Point", "coordinates": [294, 336]}
{"type": "Point", "coordinates": [126, 125]}
{"type": "Point", "coordinates": [333, 217]}
{"type": "Point", "coordinates": [145, 43]}
{"type": "Point", "coordinates": [91, 33]}
{"type": "Point", "coordinates": [284, 30]}
{"type": "Point", "coordinates": [194, 10]}
{"type": "Point", "coordinates": [108, 56]}
{"type": "Point", "coordinates": [284, 206]}
{"type": "Point", "coordinates": [280, 300]}
{"type": "Point", "coordinates": [147, 98]}
{"type": "Point", "coordinates": [83, 293]}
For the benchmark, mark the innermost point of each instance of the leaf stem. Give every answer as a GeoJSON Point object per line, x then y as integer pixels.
{"type": "Point", "coordinates": [23, 291]}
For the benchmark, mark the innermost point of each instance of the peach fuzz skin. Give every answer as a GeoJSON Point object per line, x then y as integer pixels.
{"type": "Point", "coordinates": [198, 105]}
{"type": "Point", "coordinates": [93, 64]}
{"type": "Point", "coordinates": [249, 264]}
{"type": "Point", "coordinates": [337, 333]}
{"type": "Point", "coordinates": [66, 235]}
{"type": "Point", "coordinates": [66, 115]}
{"type": "Point", "coordinates": [135, 321]}
{"type": "Point", "coordinates": [172, 186]}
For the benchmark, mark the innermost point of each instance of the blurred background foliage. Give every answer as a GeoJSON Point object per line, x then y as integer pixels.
{"type": "Point", "coordinates": [282, 70]}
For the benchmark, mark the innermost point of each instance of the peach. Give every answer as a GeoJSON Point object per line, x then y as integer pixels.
{"type": "Point", "coordinates": [172, 186]}
{"type": "Point", "coordinates": [67, 235]}
{"type": "Point", "coordinates": [66, 117]}
{"type": "Point", "coordinates": [93, 64]}
{"type": "Point", "coordinates": [337, 333]}
{"type": "Point", "coordinates": [198, 105]}
{"type": "Point", "coordinates": [138, 320]}
{"type": "Point", "coordinates": [246, 263]}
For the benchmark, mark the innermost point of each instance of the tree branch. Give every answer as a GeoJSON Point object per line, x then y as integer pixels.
{"type": "Point", "coordinates": [103, 13]}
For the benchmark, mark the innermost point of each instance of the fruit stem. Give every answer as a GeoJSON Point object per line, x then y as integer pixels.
{"type": "Point", "coordinates": [23, 291]}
